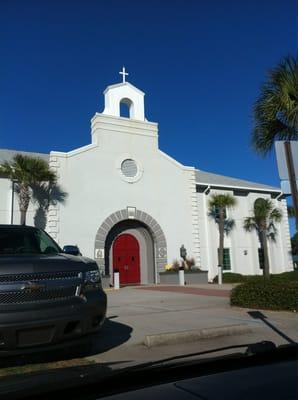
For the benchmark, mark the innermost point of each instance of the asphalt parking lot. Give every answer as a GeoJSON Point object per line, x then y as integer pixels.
{"type": "Point", "coordinates": [134, 313]}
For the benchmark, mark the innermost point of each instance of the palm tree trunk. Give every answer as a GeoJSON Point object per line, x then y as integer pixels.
{"type": "Point", "coordinates": [23, 217]}
{"type": "Point", "coordinates": [221, 246]}
{"type": "Point", "coordinates": [292, 179]}
{"type": "Point", "coordinates": [24, 199]}
{"type": "Point", "coordinates": [266, 255]}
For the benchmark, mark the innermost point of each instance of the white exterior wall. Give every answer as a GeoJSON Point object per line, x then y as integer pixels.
{"type": "Point", "coordinates": [281, 251]}
{"type": "Point", "coordinates": [6, 206]}
{"type": "Point", "coordinates": [239, 241]}
{"type": "Point", "coordinates": [209, 237]}
{"type": "Point", "coordinates": [5, 201]}
{"type": "Point", "coordinates": [95, 188]}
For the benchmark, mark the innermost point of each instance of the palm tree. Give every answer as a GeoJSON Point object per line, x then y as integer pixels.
{"type": "Point", "coordinates": [263, 222]}
{"type": "Point", "coordinates": [276, 116]}
{"type": "Point", "coordinates": [218, 204]}
{"type": "Point", "coordinates": [44, 195]}
{"type": "Point", "coordinates": [27, 173]}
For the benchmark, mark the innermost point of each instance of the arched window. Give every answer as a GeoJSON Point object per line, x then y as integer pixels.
{"type": "Point", "coordinates": [126, 108]}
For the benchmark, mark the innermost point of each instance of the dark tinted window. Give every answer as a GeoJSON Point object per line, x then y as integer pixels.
{"type": "Point", "coordinates": [26, 241]}
{"type": "Point", "coordinates": [226, 259]}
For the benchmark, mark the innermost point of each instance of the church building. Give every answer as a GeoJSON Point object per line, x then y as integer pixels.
{"type": "Point", "coordinates": [130, 206]}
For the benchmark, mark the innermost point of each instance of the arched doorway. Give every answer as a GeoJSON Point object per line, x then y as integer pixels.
{"type": "Point", "coordinates": [150, 236]}
{"type": "Point", "coordinates": [126, 258]}
{"type": "Point", "coordinates": [146, 248]}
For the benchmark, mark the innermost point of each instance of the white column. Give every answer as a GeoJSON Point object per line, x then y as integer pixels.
{"type": "Point", "coordinates": [116, 281]}
{"type": "Point", "coordinates": [206, 225]}
{"type": "Point", "coordinates": [181, 277]}
{"type": "Point", "coordinates": [219, 275]}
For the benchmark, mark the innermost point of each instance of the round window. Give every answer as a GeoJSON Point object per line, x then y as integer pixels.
{"type": "Point", "coordinates": [129, 168]}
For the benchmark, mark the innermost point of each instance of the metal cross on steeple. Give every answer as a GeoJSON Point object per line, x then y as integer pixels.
{"type": "Point", "coordinates": [123, 73]}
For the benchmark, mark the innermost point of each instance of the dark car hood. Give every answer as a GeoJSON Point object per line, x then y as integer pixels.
{"type": "Point", "coordinates": [44, 263]}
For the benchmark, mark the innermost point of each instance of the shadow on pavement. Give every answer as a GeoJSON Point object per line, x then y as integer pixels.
{"type": "Point", "coordinates": [111, 335]}
{"type": "Point", "coordinates": [262, 317]}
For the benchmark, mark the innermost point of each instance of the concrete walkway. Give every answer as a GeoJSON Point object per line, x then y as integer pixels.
{"type": "Point", "coordinates": [194, 290]}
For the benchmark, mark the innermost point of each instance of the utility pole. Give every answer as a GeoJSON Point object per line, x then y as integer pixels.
{"type": "Point", "coordinates": [292, 178]}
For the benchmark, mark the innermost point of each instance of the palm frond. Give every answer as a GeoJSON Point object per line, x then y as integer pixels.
{"type": "Point", "coordinates": [249, 224]}
{"type": "Point", "coordinates": [271, 231]}
{"type": "Point", "coordinates": [264, 217]}
{"type": "Point", "coordinates": [229, 225]}
{"type": "Point", "coordinates": [213, 214]}
{"type": "Point", "coordinates": [221, 201]}
{"type": "Point", "coordinates": [275, 215]}
{"type": "Point", "coordinates": [262, 208]}
{"type": "Point", "coordinates": [276, 108]}
{"type": "Point", "coordinates": [6, 170]}
{"type": "Point", "coordinates": [28, 170]}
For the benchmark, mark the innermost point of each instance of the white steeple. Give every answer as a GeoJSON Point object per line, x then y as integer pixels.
{"type": "Point", "coordinates": [124, 93]}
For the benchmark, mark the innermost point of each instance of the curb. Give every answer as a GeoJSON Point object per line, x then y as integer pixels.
{"type": "Point", "coordinates": [194, 335]}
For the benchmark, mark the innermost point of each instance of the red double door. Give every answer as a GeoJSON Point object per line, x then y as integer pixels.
{"type": "Point", "coordinates": [126, 259]}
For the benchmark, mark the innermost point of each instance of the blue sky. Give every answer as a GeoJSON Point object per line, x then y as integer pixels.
{"type": "Point", "coordinates": [200, 63]}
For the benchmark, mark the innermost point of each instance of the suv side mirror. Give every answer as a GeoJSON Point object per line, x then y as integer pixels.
{"type": "Point", "coordinates": [71, 249]}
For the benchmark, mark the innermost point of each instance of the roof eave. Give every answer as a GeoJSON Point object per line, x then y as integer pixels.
{"type": "Point", "coordinates": [254, 188]}
{"type": "Point", "coordinates": [123, 84]}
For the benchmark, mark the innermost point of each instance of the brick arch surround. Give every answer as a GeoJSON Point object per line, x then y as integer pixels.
{"type": "Point", "coordinates": [151, 224]}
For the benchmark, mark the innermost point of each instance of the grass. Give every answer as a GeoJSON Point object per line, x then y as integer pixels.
{"type": "Point", "coordinates": [40, 367]}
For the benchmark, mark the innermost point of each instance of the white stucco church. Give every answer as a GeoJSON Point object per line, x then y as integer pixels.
{"type": "Point", "coordinates": [130, 206]}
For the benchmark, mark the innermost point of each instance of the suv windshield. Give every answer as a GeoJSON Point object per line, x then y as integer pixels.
{"type": "Point", "coordinates": [26, 241]}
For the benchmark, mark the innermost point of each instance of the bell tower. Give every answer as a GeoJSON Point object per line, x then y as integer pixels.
{"type": "Point", "coordinates": [127, 94]}
{"type": "Point", "coordinates": [114, 130]}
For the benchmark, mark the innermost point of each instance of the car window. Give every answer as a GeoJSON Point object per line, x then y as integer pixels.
{"type": "Point", "coordinates": [46, 244]}
{"type": "Point", "coordinates": [25, 241]}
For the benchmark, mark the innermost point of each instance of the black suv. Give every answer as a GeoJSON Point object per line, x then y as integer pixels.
{"type": "Point", "coordinates": [46, 296]}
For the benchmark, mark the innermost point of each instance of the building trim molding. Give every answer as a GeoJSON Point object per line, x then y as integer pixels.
{"type": "Point", "coordinates": [152, 225]}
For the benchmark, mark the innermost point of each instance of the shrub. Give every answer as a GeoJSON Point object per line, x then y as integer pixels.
{"type": "Point", "coordinates": [176, 265]}
{"type": "Point", "coordinates": [230, 277]}
{"type": "Point", "coordinates": [195, 270]}
{"type": "Point", "coordinates": [190, 262]}
{"type": "Point", "coordinates": [291, 276]}
{"type": "Point", "coordinates": [269, 295]}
